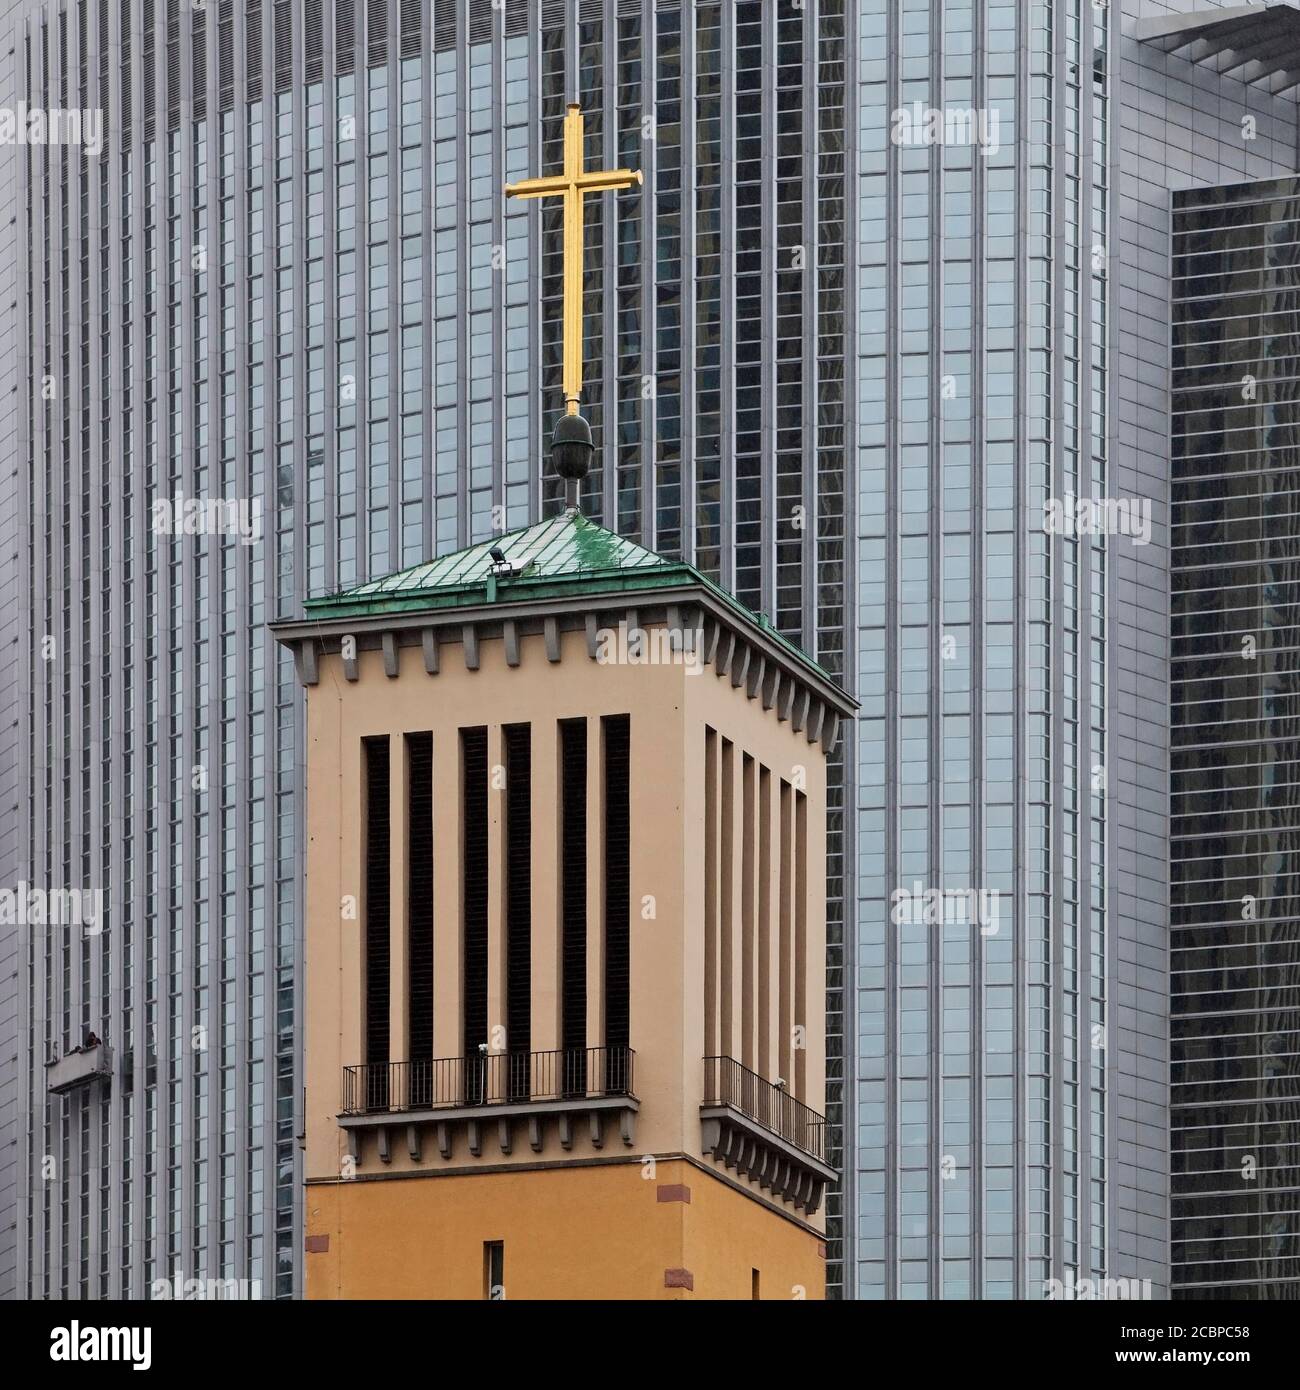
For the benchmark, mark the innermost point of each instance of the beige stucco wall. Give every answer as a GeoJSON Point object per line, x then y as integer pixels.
{"type": "Point", "coordinates": [669, 709]}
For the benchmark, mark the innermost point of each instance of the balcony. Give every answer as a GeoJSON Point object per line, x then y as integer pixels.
{"type": "Point", "coordinates": [470, 1096]}
{"type": "Point", "coordinates": [761, 1132]}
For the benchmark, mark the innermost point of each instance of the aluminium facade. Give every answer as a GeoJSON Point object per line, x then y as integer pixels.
{"type": "Point", "coordinates": [995, 1066]}
{"type": "Point", "coordinates": [842, 370]}
{"type": "Point", "coordinates": [1185, 126]}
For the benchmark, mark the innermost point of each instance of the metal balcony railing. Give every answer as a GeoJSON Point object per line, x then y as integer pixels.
{"type": "Point", "coordinates": [496, 1078]}
{"type": "Point", "coordinates": [728, 1083]}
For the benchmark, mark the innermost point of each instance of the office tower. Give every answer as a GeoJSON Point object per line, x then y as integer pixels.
{"type": "Point", "coordinates": [1014, 168]}
{"type": "Point", "coordinates": [12, 794]}
{"type": "Point", "coordinates": [1235, 939]}
{"type": "Point", "coordinates": [1208, 101]}
{"type": "Point", "coordinates": [990, 1060]}
{"type": "Point", "coordinates": [290, 278]}
{"type": "Point", "coordinates": [565, 931]}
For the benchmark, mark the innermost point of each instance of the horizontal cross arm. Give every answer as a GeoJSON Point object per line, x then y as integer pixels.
{"type": "Point", "coordinates": [538, 188]}
{"type": "Point", "coordinates": [608, 178]}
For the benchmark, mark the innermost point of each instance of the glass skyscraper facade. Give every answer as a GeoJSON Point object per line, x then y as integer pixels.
{"type": "Point", "coordinates": [983, 352]}
{"type": "Point", "coordinates": [289, 279]}
{"type": "Point", "coordinates": [895, 283]}
{"type": "Point", "coordinates": [1235, 785]}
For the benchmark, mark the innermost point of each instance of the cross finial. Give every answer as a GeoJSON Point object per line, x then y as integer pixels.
{"type": "Point", "coordinates": [573, 185]}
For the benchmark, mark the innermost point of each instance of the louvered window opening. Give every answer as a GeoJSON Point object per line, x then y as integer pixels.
{"type": "Point", "coordinates": [199, 64]}
{"type": "Point", "coordinates": [444, 24]}
{"type": "Point", "coordinates": [419, 899]}
{"type": "Point", "coordinates": [573, 902]}
{"type": "Point", "coordinates": [519, 915]}
{"type": "Point", "coordinates": [253, 48]}
{"type": "Point", "coordinates": [408, 18]}
{"type": "Point", "coordinates": [480, 21]}
{"type": "Point", "coordinates": [173, 64]}
{"type": "Point", "coordinates": [226, 55]}
{"type": "Point", "coordinates": [83, 53]}
{"type": "Point", "coordinates": [147, 58]}
{"type": "Point", "coordinates": [616, 731]}
{"type": "Point", "coordinates": [283, 45]}
{"type": "Point", "coordinates": [474, 899]}
{"type": "Point", "coordinates": [103, 53]}
{"type": "Point", "coordinates": [376, 33]}
{"type": "Point", "coordinates": [313, 38]}
{"type": "Point", "coordinates": [377, 912]}
{"type": "Point", "coordinates": [345, 36]}
{"type": "Point", "coordinates": [124, 92]}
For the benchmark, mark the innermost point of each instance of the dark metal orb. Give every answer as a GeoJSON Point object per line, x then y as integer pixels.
{"type": "Point", "coordinates": [571, 448]}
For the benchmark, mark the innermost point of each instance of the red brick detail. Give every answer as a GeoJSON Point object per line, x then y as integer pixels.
{"type": "Point", "coordinates": [674, 1192]}
{"type": "Point", "coordinates": [679, 1279]}
{"type": "Point", "coordinates": [317, 1245]}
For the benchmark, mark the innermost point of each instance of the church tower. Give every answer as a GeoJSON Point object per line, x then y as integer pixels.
{"type": "Point", "coordinates": [565, 942]}
{"type": "Point", "coordinates": [565, 936]}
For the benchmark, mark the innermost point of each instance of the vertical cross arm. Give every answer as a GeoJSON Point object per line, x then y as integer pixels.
{"type": "Point", "coordinates": [572, 185]}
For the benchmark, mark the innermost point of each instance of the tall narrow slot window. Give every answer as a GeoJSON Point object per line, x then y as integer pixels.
{"type": "Point", "coordinates": [727, 903]}
{"type": "Point", "coordinates": [573, 903]}
{"type": "Point", "coordinates": [616, 732]}
{"type": "Point", "coordinates": [785, 982]}
{"type": "Point", "coordinates": [519, 917]}
{"type": "Point", "coordinates": [747, 933]}
{"type": "Point", "coordinates": [494, 1270]}
{"type": "Point", "coordinates": [419, 911]}
{"type": "Point", "coordinates": [765, 981]}
{"type": "Point", "coordinates": [800, 936]}
{"type": "Point", "coordinates": [378, 902]}
{"type": "Point", "coordinates": [474, 907]}
{"type": "Point", "coordinates": [711, 1048]}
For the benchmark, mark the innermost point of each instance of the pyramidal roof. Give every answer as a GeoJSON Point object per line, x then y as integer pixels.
{"type": "Point", "coordinates": [565, 556]}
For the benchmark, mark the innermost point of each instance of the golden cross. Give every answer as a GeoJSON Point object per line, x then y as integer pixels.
{"type": "Point", "coordinates": [573, 185]}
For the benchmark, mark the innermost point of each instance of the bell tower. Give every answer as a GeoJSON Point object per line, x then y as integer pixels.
{"type": "Point", "coordinates": [565, 934]}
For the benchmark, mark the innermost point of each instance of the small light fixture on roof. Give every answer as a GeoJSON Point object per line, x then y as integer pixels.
{"type": "Point", "coordinates": [503, 568]}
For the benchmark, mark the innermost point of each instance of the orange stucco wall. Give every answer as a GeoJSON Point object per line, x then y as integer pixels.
{"type": "Point", "coordinates": [578, 1232]}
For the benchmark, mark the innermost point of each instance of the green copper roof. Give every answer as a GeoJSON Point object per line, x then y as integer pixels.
{"type": "Point", "coordinates": [564, 556]}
